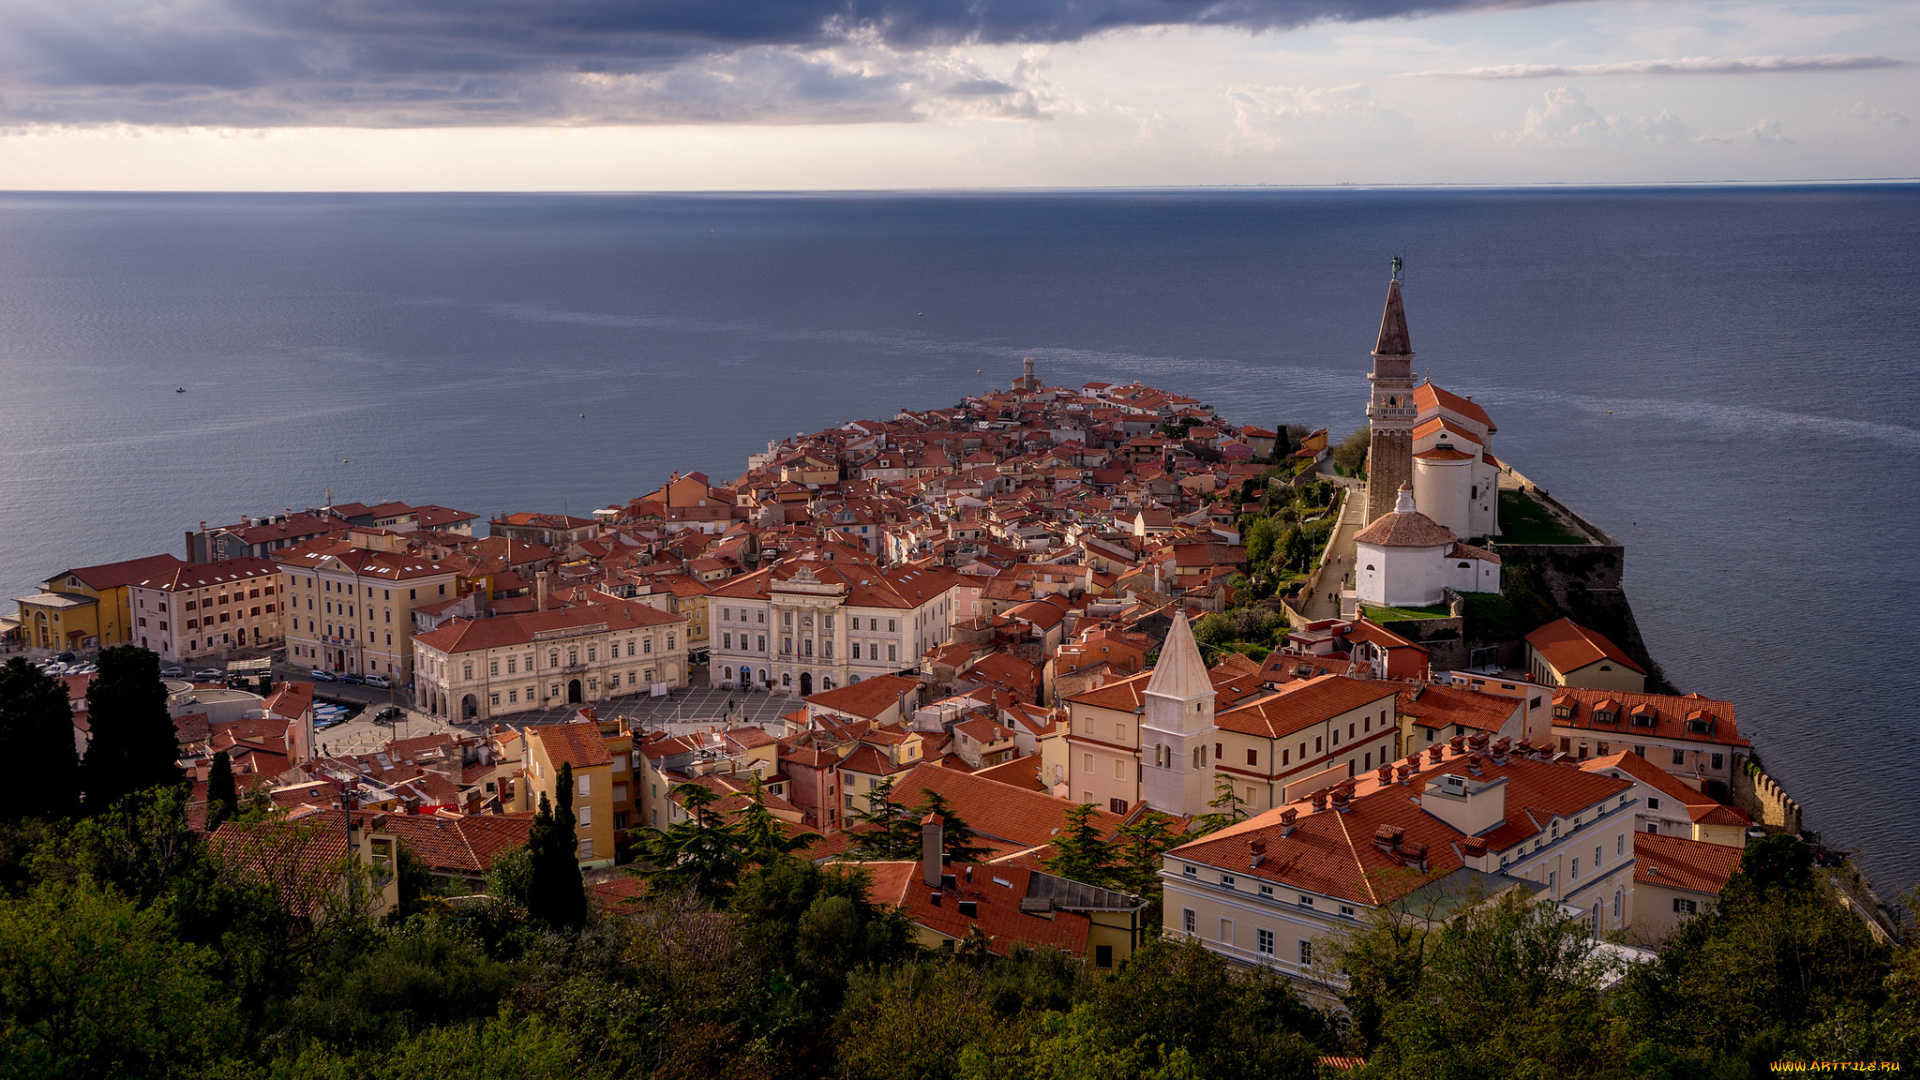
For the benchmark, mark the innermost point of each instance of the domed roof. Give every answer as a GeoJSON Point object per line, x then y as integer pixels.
{"type": "Point", "coordinates": [1405, 527]}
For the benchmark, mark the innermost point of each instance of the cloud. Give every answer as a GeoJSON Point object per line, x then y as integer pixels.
{"type": "Point", "coordinates": [1862, 111]}
{"type": "Point", "coordinates": [1764, 132]}
{"type": "Point", "coordinates": [1268, 118]}
{"type": "Point", "coordinates": [1693, 65]}
{"type": "Point", "coordinates": [1566, 121]}
{"type": "Point", "coordinates": [494, 62]}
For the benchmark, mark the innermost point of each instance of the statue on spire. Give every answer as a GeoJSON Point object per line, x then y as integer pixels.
{"type": "Point", "coordinates": [1397, 263]}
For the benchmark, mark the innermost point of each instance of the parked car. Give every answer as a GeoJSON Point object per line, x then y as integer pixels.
{"type": "Point", "coordinates": [380, 681]}
{"type": "Point", "coordinates": [208, 674]}
{"type": "Point", "coordinates": [83, 669]}
{"type": "Point", "coordinates": [321, 676]}
{"type": "Point", "coordinates": [384, 714]}
{"type": "Point", "coordinates": [352, 678]}
{"type": "Point", "coordinates": [172, 672]}
{"type": "Point", "coordinates": [65, 657]}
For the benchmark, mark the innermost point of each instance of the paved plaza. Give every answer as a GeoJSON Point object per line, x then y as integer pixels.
{"type": "Point", "coordinates": [677, 713]}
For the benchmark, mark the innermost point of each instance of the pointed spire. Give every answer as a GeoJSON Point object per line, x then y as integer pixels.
{"type": "Point", "coordinates": [1181, 673]}
{"type": "Point", "coordinates": [1393, 325]}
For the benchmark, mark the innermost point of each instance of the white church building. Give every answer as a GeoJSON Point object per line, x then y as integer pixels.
{"type": "Point", "coordinates": [1407, 559]}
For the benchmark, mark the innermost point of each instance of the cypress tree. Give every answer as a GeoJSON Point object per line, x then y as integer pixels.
{"type": "Point", "coordinates": [36, 727]}
{"type": "Point", "coordinates": [223, 801]}
{"type": "Point", "coordinates": [134, 746]}
{"type": "Point", "coordinates": [556, 895]}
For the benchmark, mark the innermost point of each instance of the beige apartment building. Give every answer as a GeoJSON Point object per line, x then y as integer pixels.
{"type": "Point", "coordinates": [350, 601]}
{"type": "Point", "coordinates": [197, 610]}
{"type": "Point", "coordinates": [477, 669]}
{"type": "Point", "coordinates": [1277, 889]}
{"type": "Point", "coordinates": [806, 626]}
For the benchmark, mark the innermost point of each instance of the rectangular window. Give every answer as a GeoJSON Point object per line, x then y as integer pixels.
{"type": "Point", "coordinates": [586, 815]}
{"type": "Point", "coordinates": [1119, 769]}
{"type": "Point", "coordinates": [1306, 953]}
{"type": "Point", "coordinates": [1264, 942]}
{"type": "Point", "coordinates": [1620, 845]}
{"type": "Point", "coordinates": [1684, 907]}
{"type": "Point", "coordinates": [1718, 761]}
{"type": "Point", "coordinates": [1306, 901]}
{"type": "Point", "coordinates": [1226, 931]}
{"type": "Point", "coordinates": [493, 667]}
{"type": "Point", "coordinates": [586, 785]}
{"type": "Point", "coordinates": [586, 848]}
{"type": "Point", "coordinates": [1679, 757]}
{"type": "Point", "coordinates": [1188, 919]}
{"type": "Point", "coordinates": [1653, 803]}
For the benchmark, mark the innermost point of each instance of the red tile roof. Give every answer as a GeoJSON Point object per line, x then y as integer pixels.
{"type": "Point", "coordinates": [1433, 706]}
{"type": "Point", "coordinates": [1300, 705]}
{"type": "Point", "coordinates": [1568, 646]}
{"type": "Point", "coordinates": [1672, 715]}
{"type": "Point", "coordinates": [1332, 853]}
{"type": "Point", "coordinates": [580, 744]}
{"type": "Point", "coordinates": [1674, 862]}
{"type": "Point", "coordinates": [869, 697]}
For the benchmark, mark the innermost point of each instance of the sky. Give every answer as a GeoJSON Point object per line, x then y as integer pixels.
{"type": "Point", "coordinates": [629, 95]}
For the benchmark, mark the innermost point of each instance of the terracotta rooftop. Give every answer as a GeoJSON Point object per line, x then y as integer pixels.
{"type": "Point", "coordinates": [1568, 646]}
{"type": "Point", "coordinates": [1675, 862]}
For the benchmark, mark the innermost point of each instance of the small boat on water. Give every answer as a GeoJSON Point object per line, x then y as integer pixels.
{"type": "Point", "coordinates": [179, 389]}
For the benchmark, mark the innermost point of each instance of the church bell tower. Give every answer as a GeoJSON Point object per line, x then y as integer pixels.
{"type": "Point", "coordinates": [1390, 412]}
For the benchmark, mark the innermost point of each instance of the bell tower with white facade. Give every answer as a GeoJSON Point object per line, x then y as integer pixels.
{"type": "Point", "coordinates": [1176, 769]}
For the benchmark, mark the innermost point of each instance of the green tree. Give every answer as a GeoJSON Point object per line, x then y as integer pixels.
{"type": "Point", "coordinates": [223, 801]}
{"type": "Point", "coordinates": [420, 974]}
{"type": "Point", "coordinates": [36, 726]}
{"type": "Point", "coordinates": [883, 828]}
{"type": "Point", "coordinates": [1080, 852]}
{"type": "Point", "coordinates": [1351, 453]}
{"type": "Point", "coordinates": [1260, 540]}
{"type": "Point", "coordinates": [1226, 807]}
{"type": "Point", "coordinates": [1776, 970]}
{"type": "Point", "coordinates": [93, 986]}
{"type": "Point", "coordinates": [1173, 997]}
{"type": "Point", "coordinates": [956, 836]}
{"type": "Point", "coordinates": [1504, 989]}
{"type": "Point", "coordinates": [556, 894]}
{"type": "Point", "coordinates": [762, 838]}
{"type": "Point", "coordinates": [1213, 629]}
{"type": "Point", "coordinates": [701, 853]}
{"type": "Point", "coordinates": [133, 745]}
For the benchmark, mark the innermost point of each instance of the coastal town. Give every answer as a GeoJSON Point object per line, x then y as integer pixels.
{"type": "Point", "coordinates": [1311, 680]}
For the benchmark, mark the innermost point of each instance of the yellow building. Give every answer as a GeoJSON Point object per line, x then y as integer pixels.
{"type": "Point", "coordinates": [91, 606]}
{"type": "Point", "coordinates": [582, 746]}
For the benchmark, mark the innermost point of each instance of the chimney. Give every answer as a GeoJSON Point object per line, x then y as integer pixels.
{"type": "Point", "coordinates": [1341, 798]}
{"type": "Point", "coordinates": [1473, 764]}
{"type": "Point", "coordinates": [1478, 740]}
{"type": "Point", "coordinates": [1414, 855]}
{"type": "Point", "coordinates": [1387, 838]}
{"type": "Point", "coordinates": [1525, 748]}
{"type": "Point", "coordinates": [1259, 850]}
{"type": "Point", "coordinates": [1500, 749]}
{"type": "Point", "coordinates": [1433, 754]}
{"type": "Point", "coordinates": [1405, 772]}
{"type": "Point", "coordinates": [1385, 775]}
{"type": "Point", "coordinates": [1319, 801]}
{"type": "Point", "coordinates": [932, 850]}
{"type": "Point", "coordinates": [540, 591]}
{"type": "Point", "coordinates": [1458, 744]}
{"type": "Point", "coordinates": [1287, 819]}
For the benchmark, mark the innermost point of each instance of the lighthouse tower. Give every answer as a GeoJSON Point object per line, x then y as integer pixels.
{"type": "Point", "coordinates": [1391, 410]}
{"type": "Point", "coordinates": [1176, 770]}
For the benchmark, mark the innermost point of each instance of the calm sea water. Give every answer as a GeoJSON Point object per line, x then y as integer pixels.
{"type": "Point", "coordinates": [1724, 378]}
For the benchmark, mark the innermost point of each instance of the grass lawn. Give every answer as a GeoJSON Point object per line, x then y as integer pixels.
{"type": "Point", "coordinates": [1384, 615]}
{"type": "Point", "coordinates": [1525, 521]}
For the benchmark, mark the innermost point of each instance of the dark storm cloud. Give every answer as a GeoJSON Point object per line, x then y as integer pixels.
{"type": "Point", "coordinates": [426, 62]}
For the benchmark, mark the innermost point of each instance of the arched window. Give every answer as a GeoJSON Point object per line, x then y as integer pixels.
{"type": "Point", "coordinates": [1369, 566]}
{"type": "Point", "coordinates": [726, 674]}
{"type": "Point", "coordinates": [1616, 907]}
{"type": "Point", "coordinates": [786, 678]}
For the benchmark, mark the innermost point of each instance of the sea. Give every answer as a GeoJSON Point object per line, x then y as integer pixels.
{"type": "Point", "coordinates": [1725, 378]}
